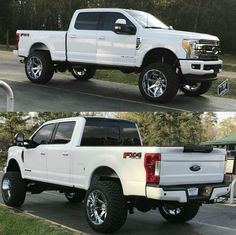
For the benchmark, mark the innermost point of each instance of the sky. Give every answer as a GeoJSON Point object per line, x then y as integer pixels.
{"type": "Point", "coordinates": [223, 115]}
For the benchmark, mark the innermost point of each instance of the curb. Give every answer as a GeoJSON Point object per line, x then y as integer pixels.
{"type": "Point", "coordinates": [75, 231]}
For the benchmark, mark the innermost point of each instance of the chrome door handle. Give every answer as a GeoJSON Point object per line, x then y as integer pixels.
{"type": "Point", "coordinates": [102, 38]}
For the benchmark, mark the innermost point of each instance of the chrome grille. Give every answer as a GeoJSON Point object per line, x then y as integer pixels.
{"type": "Point", "coordinates": [208, 50]}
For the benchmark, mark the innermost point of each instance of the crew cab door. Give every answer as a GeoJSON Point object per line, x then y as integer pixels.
{"type": "Point", "coordinates": [35, 157]}
{"type": "Point", "coordinates": [59, 154]}
{"type": "Point", "coordinates": [82, 38]}
{"type": "Point", "coordinates": [113, 48]}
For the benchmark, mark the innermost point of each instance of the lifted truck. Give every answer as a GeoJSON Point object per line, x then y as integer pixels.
{"type": "Point", "coordinates": [103, 163]}
{"type": "Point", "coordinates": [130, 41]}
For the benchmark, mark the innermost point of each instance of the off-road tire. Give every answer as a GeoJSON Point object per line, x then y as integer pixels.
{"type": "Point", "coordinates": [202, 89]}
{"type": "Point", "coordinates": [172, 83]}
{"type": "Point", "coordinates": [77, 197]}
{"type": "Point", "coordinates": [116, 206]}
{"type": "Point", "coordinates": [188, 212]}
{"type": "Point", "coordinates": [17, 189]}
{"type": "Point", "coordinates": [88, 74]}
{"type": "Point", "coordinates": [47, 68]}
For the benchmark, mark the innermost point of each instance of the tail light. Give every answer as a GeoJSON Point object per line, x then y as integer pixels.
{"type": "Point", "coordinates": [152, 167]}
{"type": "Point", "coordinates": [17, 40]}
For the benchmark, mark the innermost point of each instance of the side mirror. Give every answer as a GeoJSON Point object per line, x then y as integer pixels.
{"type": "Point", "coordinates": [121, 26]}
{"type": "Point", "coordinates": [19, 139]}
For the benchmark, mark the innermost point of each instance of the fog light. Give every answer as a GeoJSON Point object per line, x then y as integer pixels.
{"type": "Point", "coordinates": [196, 66]}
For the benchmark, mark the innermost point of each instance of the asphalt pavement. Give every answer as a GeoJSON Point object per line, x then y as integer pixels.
{"type": "Point", "coordinates": [63, 93]}
{"type": "Point", "coordinates": [214, 219]}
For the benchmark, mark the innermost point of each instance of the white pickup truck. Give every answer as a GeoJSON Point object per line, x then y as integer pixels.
{"type": "Point", "coordinates": [103, 163]}
{"type": "Point", "coordinates": [128, 40]}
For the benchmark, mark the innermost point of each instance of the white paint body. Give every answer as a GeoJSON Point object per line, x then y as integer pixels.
{"type": "Point", "coordinates": [73, 165]}
{"type": "Point", "coordinates": [108, 48]}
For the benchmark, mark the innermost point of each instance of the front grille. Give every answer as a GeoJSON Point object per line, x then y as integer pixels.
{"type": "Point", "coordinates": [209, 50]}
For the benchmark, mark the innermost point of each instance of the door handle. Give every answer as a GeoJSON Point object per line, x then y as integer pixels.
{"type": "Point", "coordinates": [65, 154]}
{"type": "Point", "coordinates": [102, 38]}
{"type": "Point", "coordinates": [72, 36]}
{"type": "Point", "coordinates": [43, 154]}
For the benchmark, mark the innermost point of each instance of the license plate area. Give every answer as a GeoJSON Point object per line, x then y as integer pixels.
{"type": "Point", "coordinates": [193, 192]}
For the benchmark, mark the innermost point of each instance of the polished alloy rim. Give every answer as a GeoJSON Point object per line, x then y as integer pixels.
{"type": "Point", "coordinates": [172, 211]}
{"type": "Point", "coordinates": [154, 83]}
{"type": "Point", "coordinates": [70, 195]}
{"type": "Point", "coordinates": [79, 71]}
{"type": "Point", "coordinates": [192, 88]}
{"type": "Point", "coordinates": [97, 207]}
{"type": "Point", "coordinates": [6, 189]}
{"type": "Point", "coordinates": [34, 67]}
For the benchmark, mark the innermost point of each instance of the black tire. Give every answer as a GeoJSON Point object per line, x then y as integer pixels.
{"type": "Point", "coordinates": [115, 206]}
{"type": "Point", "coordinates": [82, 73]}
{"type": "Point", "coordinates": [200, 89]}
{"type": "Point", "coordinates": [75, 197]}
{"type": "Point", "coordinates": [168, 82]}
{"type": "Point", "coordinates": [185, 213]}
{"type": "Point", "coordinates": [15, 195]}
{"type": "Point", "coordinates": [45, 67]}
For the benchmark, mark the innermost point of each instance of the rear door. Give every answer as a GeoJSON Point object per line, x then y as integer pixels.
{"type": "Point", "coordinates": [82, 38]}
{"type": "Point", "coordinates": [113, 48]}
{"type": "Point", "coordinates": [59, 154]}
{"type": "Point", "coordinates": [179, 168]}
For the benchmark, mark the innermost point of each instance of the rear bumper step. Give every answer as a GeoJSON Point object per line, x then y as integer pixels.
{"type": "Point", "coordinates": [207, 193]}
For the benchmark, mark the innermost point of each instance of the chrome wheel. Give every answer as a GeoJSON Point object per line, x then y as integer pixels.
{"type": "Point", "coordinates": [34, 67]}
{"type": "Point", "coordinates": [79, 71]}
{"type": "Point", "coordinates": [97, 207]}
{"type": "Point", "coordinates": [154, 83]}
{"type": "Point", "coordinates": [171, 210]}
{"type": "Point", "coordinates": [6, 189]}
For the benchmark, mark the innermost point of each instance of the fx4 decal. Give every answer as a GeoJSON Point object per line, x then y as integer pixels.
{"type": "Point", "coordinates": [132, 155]}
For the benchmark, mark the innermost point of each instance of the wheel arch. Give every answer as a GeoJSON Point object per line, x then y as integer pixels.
{"type": "Point", "coordinates": [162, 55]}
{"type": "Point", "coordinates": [104, 173]}
{"type": "Point", "coordinates": [39, 46]}
{"type": "Point", "coordinates": [13, 165]}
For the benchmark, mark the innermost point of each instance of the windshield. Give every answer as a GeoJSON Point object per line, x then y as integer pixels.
{"type": "Point", "coordinates": [147, 20]}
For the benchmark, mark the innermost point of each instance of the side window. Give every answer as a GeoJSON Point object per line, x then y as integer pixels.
{"type": "Point", "coordinates": [87, 21]}
{"type": "Point", "coordinates": [43, 136]}
{"type": "Point", "coordinates": [100, 135]}
{"type": "Point", "coordinates": [64, 133]}
{"type": "Point", "coordinates": [110, 18]}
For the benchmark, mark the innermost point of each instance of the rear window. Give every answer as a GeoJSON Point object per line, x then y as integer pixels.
{"type": "Point", "coordinates": [108, 133]}
{"type": "Point", "coordinates": [87, 21]}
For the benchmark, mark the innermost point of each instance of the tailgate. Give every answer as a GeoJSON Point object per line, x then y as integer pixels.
{"type": "Point", "coordinates": [187, 168]}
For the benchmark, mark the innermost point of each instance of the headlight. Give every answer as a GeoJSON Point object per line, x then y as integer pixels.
{"type": "Point", "coordinates": [190, 47]}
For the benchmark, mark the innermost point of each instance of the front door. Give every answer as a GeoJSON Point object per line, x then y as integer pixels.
{"type": "Point", "coordinates": [35, 157]}
{"type": "Point", "coordinates": [113, 48]}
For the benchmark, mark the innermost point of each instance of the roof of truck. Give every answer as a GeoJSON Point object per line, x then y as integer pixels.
{"type": "Point", "coordinates": [87, 118]}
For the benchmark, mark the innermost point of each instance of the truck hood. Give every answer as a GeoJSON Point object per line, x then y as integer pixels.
{"type": "Point", "coordinates": [181, 34]}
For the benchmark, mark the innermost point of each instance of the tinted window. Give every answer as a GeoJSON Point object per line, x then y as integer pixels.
{"type": "Point", "coordinates": [101, 136]}
{"type": "Point", "coordinates": [108, 133]}
{"type": "Point", "coordinates": [64, 133]}
{"type": "Point", "coordinates": [87, 21]}
{"type": "Point", "coordinates": [43, 136]}
{"type": "Point", "coordinates": [110, 18]}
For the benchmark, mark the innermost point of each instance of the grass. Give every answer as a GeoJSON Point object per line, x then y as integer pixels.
{"type": "Point", "coordinates": [229, 63]}
{"type": "Point", "coordinates": [4, 48]}
{"type": "Point", "coordinates": [13, 222]}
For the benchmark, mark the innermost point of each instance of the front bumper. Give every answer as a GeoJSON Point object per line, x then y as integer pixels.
{"type": "Point", "coordinates": [179, 194]}
{"type": "Point", "coordinates": [199, 68]}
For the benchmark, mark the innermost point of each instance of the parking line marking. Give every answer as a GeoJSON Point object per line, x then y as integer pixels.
{"type": "Point", "coordinates": [215, 226]}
